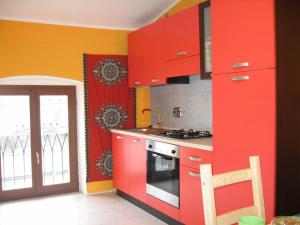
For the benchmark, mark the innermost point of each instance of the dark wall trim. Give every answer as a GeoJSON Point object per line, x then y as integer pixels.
{"type": "Point", "coordinates": [204, 75]}
{"type": "Point", "coordinates": [288, 107]}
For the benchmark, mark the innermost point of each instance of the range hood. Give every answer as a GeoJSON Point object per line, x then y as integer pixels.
{"type": "Point", "coordinates": [178, 80]}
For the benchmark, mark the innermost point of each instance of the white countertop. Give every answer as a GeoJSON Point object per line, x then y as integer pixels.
{"type": "Point", "coordinates": [198, 143]}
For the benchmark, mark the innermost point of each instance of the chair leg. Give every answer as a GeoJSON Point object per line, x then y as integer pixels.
{"type": "Point", "coordinates": [208, 195]}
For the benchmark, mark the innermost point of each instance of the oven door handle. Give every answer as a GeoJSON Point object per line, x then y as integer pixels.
{"type": "Point", "coordinates": [162, 156]}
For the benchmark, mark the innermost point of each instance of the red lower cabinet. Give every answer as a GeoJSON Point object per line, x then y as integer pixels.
{"type": "Point", "coordinates": [163, 207]}
{"type": "Point", "coordinates": [137, 168]}
{"type": "Point", "coordinates": [120, 162]}
{"type": "Point", "coordinates": [129, 165]}
{"type": "Point", "coordinates": [191, 207]}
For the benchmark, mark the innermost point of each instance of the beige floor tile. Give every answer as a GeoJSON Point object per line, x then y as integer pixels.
{"type": "Point", "coordinates": [75, 209]}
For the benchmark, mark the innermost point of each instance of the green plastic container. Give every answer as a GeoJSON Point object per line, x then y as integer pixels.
{"type": "Point", "coordinates": [252, 220]}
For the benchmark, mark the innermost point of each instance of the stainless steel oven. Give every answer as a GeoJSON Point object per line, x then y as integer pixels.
{"type": "Point", "coordinates": [163, 172]}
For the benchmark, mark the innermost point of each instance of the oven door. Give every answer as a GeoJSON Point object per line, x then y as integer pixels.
{"type": "Point", "coordinates": [163, 177]}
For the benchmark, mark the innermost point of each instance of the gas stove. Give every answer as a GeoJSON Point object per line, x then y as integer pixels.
{"type": "Point", "coordinates": [185, 134]}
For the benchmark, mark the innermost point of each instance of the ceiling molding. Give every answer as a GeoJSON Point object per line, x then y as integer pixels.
{"type": "Point", "coordinates": [164, 11]}
{"type": "Point", "coordinates": [48, 22]}
{"type": "Point", "coordinates": [97, 14]}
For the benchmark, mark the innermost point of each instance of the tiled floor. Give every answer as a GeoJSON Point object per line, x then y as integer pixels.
{"type": "Point", "coordinates": [75, 209]}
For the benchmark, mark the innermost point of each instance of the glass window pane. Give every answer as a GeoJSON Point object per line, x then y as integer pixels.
{"type": "Point", "coordinates": [207, 40]}
{"type": "Point", "coordinates": [15, 145]}
{"type": "Point", "coordinates": [55, 139]}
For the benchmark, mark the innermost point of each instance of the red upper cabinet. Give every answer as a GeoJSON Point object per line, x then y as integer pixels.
{"type": "Point", "coordinates": [137, 168]}
{"type": "Point", "coordinates": [145, 56]}
{"type": "Point", "coordinates": [243, 35]}
{"type": "Point", "coordinates": [182, 43]}
{"type": "Point", "coordinates": [181, 33]}
{"type": "Point", "coordinates": [243, 126]}
{"type": "Point", "coordinates": [120, 162]}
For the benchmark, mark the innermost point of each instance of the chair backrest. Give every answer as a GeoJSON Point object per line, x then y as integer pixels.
{"type": "Point", "coordinates": [210, 182]}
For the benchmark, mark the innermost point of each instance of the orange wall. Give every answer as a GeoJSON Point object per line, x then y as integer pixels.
{"type": "Point", "coordinates": [42, 49]}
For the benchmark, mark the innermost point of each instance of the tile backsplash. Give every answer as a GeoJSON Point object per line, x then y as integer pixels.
{"type": "Point", "coordinates": [195, 99]}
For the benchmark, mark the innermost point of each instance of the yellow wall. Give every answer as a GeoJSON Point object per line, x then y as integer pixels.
{"type": "Point", "coordinates": [41, 49]}
{"type": "Point", "coordinates": [143, 101]}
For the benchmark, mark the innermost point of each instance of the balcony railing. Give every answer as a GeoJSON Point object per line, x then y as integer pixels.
{"type": "Point", "coordinates": [16, 160]}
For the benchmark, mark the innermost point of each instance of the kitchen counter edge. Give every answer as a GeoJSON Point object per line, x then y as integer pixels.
{"type": "Point", "coordinates": [198, 143]}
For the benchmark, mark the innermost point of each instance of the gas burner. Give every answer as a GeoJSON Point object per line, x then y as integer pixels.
{"type": "Point", "coordinates": [185, 134]}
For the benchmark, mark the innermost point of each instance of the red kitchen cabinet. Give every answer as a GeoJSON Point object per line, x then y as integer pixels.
{"type": "Point", "coordinates": [181, 33]}
{"type": "Point", "coordinates": [163, 207]}
{"type": "Point", "coordinates": [243, 34]}
{"type": "Point", "coordinates": [192, 158]}
{"type": "Point", "coordinates": [182, 43]}
{"type": "Point", "coordinates": [244, 125]}
{"type": "Point", "coordinates": [191, 206]}
{"type": "Point", "coordinates": [145, 56]}
{"type": "Point", "coordinates": [120, 164]}
{"type": "Point", "coordinates": [137, 168]}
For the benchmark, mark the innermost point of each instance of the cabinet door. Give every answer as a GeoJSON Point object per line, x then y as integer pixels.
{"type": "Point", "coordinates": [243, 35]}
{"type": "Point", "coordinates": [192, 157]}
{"type": "Point", "coordinates": [137, 168]}
{"type": "Point", "coordinates": [120, 162]}
{"type": "Point", "coordinates": [145, 56]}
{"type": "Point", "coordinates": [182, 34]}
{"type": "Point", "coordinates": [243, 126]}
{"type": "Point", "coordinates": [182, 43]}
{"type": "Point", "coordinates": [191, 206]}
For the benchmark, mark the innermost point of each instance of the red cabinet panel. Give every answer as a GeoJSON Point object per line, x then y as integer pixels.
{"type": "Point", "coordinates": [137, 168]}
{"type": "Point", "coordinates": [191, 206]}
{"type": "Point", "coordinates": [191, 157]}
{"type": "Point", "coordinates": [244, 125]}
{"type": "Point", "coordinates": [163, 207]}
{"type": "Point", "coordinates": [182, 43]}
{"type": "Point", "coordinates": [181, 33]}
{"type": "Point", "coordinates": [120, 162]}
{"type": "Point", "coordinates": [145, 56]}
{"type": "Point", "coordinates": [242, 31]}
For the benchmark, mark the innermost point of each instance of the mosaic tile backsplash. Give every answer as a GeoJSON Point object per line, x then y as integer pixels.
{"type": "Point", "coordinates": [195, 99]}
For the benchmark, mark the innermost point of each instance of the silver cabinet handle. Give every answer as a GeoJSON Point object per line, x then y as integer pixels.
{"type": "Point", "coordinates": [181, 53]}
{"type": "Point", "coordinates": [196, 159]}
{"type": "Point", "coordinates": [119, 137]}
{"type": "Point", "coordinates": [240, 78]}
{"type": "Point", "coordinates": [194, 174]}
{"type": "Point", "coordinates": [136, 140]}
{"type": "Point", "coordinates": [155, 80]}
{"type": "Point", "coordinates": [239, 65]}
{"type": "Point", "coordinates": [137, 82]}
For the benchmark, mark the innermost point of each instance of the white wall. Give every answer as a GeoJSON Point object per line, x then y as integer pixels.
{"type": "Point", "coordinates": [50, 80]}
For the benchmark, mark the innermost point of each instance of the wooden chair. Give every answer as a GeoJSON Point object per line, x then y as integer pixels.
{"type": "Point", "coordinates": [210, 182]}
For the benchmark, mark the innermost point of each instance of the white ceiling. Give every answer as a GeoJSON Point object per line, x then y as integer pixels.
{"type": "Point", "coordinates": [110, 14]}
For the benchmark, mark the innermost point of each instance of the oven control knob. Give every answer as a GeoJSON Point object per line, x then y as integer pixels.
{"type": "Point", "coordinates": [173, 151]}
{"type": "Point", "coordinates": [150, 146]}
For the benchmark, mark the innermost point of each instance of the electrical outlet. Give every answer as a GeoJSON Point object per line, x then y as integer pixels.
{"type": "Point", "coordinates": [177, 111]}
